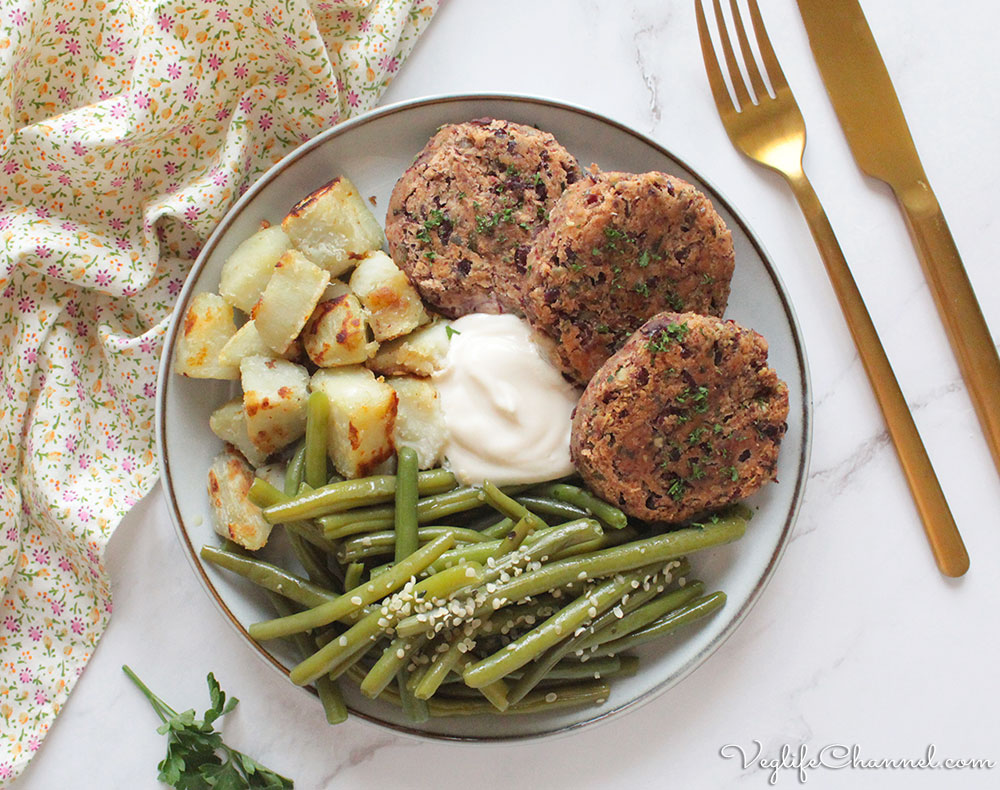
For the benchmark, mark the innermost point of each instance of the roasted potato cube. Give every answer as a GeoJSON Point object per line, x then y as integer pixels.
{"type": "Point", "coordinates": [419, 353]}
{"type": "Point", "coordinates": [419, 420]}
{"type": "Point", "coordinates": [337, 333]}
{"type": "Point", "coordinates": [334, 289]}
{"type": "Point", "coordinates": [291, 295]}
{"type": "Point", "coordinates": [333, 226]}
{"type": "Point", "coordinates": [245, 343]}
{"type": "Point", "coordinates": [235, 516]}
{"type": "Point", "coordinates": [388, 295]}
{"type": "Point", "coordinates": [229, 423]}
{"type": "Point", "coordinates": [274, 400]}
{"type": "Point", "coordinates": [208, 326]}
{"type": "Point", "coordinates": [362, 417]}
{"type": "Point", "coordinates": [248, 343]}
{"type": "Point", "coordinates": [246, 272]}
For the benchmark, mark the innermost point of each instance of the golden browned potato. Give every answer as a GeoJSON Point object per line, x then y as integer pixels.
{"type": "Point", "coordinates": [362, 418]}
{"type": "Point", "coordinates": [229, 423]}
{"type": "Point", "coordinates": [419, 353]}
{"type": "Point", "coordinates": [337, 333]}
{"type": "Point", "coordinates": [419, 419]}
{"type": "Point", "coordinates": [208, 326]}
{"type": "Point", "coordinates": [392, 302]}
{"type": "Point", "coordinates": [246, 272]}
{"type": "Point", "coordinates": [334, 226]}
{"type": "Point", "coordinates": [234, 515]}
{"type": "Point", "coordinates": [275, 392]}
{"type": "Point", "coordinates": [289, 299]}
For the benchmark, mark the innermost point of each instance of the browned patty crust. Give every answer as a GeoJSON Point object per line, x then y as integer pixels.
{"type": "Point", "coordinates": [461, 218]}
{"type": "Point", "coordinates": [685, 418]}
{"type": "Point", "coordinates": [620, 248]}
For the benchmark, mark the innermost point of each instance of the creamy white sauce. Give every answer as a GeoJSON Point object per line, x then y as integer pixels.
{"type": "Point", "coordinates": [507, 408]}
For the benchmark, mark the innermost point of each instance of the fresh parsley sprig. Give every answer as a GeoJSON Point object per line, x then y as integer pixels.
{"type": "Point", "coordinates": [193, 760]}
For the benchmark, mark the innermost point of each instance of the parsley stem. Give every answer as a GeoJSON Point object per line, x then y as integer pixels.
{"type": "Point", "coordinates": [158, 704]}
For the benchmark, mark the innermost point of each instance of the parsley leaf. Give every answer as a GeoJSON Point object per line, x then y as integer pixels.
{"type": "Point", "coordinates": [671, 333]}
{"type": "Point", "coordinates": [451, 331]}
{"type": "Point", "coordinates": [193, 760]}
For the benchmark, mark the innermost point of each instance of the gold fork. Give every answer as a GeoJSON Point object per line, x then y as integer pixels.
{"type": "Point", "coordinates": [771, 131]}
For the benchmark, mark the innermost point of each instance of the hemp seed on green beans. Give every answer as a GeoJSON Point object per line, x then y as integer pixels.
{"type": "Point", "coordinates": [465, 600]}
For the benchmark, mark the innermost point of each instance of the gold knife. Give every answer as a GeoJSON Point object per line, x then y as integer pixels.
{"type": "Point", "coordinates": [866, 104]}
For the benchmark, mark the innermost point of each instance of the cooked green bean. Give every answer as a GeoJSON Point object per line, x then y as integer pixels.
{"type": "Point", "coordinates": [393, 659]}
{"type": "Point", "coordinates": [317, 420]}
{"type": "Point", "coordinates": [310, 532]}
{"type": "Point", "coordinates": [375, 544]}
{"type": "Point", "coordinates": [598, 669]}
{"type": "Point", "coordinates": [565, 696]}
{"type": "Point", "coordinates": [350, 494]}
{"type": "Point", "coordinates": [435, 672]}
{"type": "Point", "coordinates": [513, 539]}
{"type": "Point", "coordinates": [414, 708]}
{"type": "Point", "coordinates": [355, 598]}
{"type": "Point", "coordinates": [643, 616]}
{"type": "Point", "coordinates": [693, 611]}
{"type": "Point", "coordinates": [407, 540]}
{"type": "Point", "coordinates": [353, 574]}
{"type": "Point", "coordinates": [602, 668]}
{"type": "Point", "coordinates": [263, 494]}
{"type": "Point", "coordinates": [366, 630]}
{"type": "Point", "coordinates": [545, 664]}
{"type": "Point", "coordinates": [295, 471]}
{"type": "Point", "coordinates": [615, 537]}
{"type": "Point", "coordinates": [326, 688]}
{"type": "Point", "coordinates": [269, 576]}
{"type": "Point", "coordinates": [510, 507]}
{"type": "Point", "coordinates": [556, 628]}
{"type": "Point", "coordinates": [619, 559]}
{"type": "Point", "coordinates": [338, 526]}
{"type": "Point", "coordinates": [499, 529]}
{"type": "Point", "coordinates": [496, 691]}
{"type": "Point", "coordinates": [605, 562]}
{"type": "Point", "coordinates": [510, 617]}
{"type": "Point", "coordinates": [309, 557]}
{"type": "Point", "coordinates": [547, 506]}
{"type": "Point", "coordinates": [569, 534]}
{"type": "Point", "coordinates": [429, 509]}
{"type": "Point", "coordinates": [570, 695]}
{"type": "Point", "coordinates": [603, 511]}
{"type": "Point", "coordinates": [544, 667]}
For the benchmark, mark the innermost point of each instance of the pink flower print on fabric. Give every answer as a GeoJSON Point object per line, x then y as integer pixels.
{"type": "Point", "coordinates": [136, 140]}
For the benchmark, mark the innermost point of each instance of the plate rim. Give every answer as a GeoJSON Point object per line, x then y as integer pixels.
{"type": "Point", "coordinates": [804, 460]}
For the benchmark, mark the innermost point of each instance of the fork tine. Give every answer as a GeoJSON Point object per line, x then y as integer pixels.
{"type": "Point", "coordinates": [719, 90]}
{"type": "Point", "coordinates": [739, 86]}
{"type": "Point", "coordinates": [771, 65]}
{"type": "Point", "coordinates": [756, 81]}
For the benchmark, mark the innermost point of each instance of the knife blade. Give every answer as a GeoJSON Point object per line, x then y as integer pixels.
{"type": "Point", "coordinates": [866, 104]}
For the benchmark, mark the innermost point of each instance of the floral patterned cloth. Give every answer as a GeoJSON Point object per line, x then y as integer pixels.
{"type": "Point", "coordinates": [128, 127]}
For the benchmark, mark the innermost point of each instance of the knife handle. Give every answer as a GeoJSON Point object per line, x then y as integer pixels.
{"type": "Point", "coordinates": [942, 533]}
{"type": "Point", "coordinates": [956, 302]}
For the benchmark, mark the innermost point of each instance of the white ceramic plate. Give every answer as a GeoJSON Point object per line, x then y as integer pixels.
{"type": "Point", "coordinates": [374, 150]}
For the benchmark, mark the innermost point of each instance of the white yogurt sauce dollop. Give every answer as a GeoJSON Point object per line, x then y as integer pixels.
{"type": "Point", "coordinates": [508, 410]}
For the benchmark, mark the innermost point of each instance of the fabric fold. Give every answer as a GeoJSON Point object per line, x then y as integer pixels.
{"type": "Point", "coordinates": [128, 129]}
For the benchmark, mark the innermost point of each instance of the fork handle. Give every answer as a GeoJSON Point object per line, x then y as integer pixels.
{"type": "Point", "coordinates": [946, 542]}
{"type": "Point", "coordinates": [956, 302]}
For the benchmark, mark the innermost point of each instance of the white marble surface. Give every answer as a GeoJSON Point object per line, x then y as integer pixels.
{"type": "Point", "coordinates": [858, 639]}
